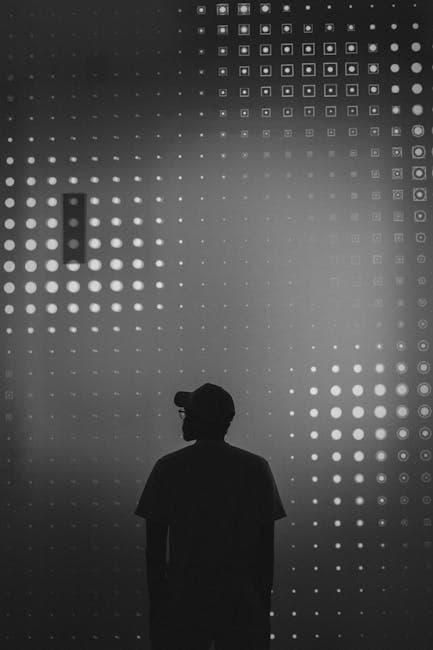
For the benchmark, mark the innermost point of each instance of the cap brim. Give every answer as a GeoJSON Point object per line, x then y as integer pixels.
{"type": "Point", "coordinates": [182, 398]}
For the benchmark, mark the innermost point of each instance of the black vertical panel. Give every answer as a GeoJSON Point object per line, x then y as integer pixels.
{"type": "Point", "coordinates": [74, 228]}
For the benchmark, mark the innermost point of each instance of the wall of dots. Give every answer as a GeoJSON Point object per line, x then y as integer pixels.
{"type": "Point", "coordinates": [235, 192]}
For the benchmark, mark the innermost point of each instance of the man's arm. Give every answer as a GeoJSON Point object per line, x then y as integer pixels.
{"type": "Point", "coordinates": [266, 563]}
{"type": "Point", "coordinates": [156, 539]}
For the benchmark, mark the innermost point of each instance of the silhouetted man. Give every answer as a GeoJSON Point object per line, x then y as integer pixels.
{"type": "Point", "coordinates": [220, 503]}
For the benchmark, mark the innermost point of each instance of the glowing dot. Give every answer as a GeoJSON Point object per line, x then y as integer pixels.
{"type": "Point", "coordinates": [380, 411]}
{"type": "Point", "coordinates": [402, 389]}
{"type": "Point", "coordinates": [402, 411]}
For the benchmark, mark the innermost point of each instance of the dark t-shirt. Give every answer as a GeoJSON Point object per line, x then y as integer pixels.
{"type": "Point", "coordinates": [215, 497]}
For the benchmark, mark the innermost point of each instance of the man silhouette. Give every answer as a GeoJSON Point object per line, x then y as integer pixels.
{"type": "Point", "coordinates": [220, 503]}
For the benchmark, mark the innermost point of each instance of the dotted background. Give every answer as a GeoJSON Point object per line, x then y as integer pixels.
{"type": "Point", "coordinates": [237, 193]}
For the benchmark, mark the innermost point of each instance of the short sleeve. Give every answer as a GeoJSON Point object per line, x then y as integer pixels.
{"type": "Point", "coordinates": [272, 507]}
{"type": "Point", "coordinates": [155, 499]}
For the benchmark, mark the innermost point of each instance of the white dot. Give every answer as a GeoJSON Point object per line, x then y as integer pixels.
{"type": "Point", "coordinates": [379, 390]}
{"type": "Point", "coordinates": [402, 389]}
{"type": "Point", "coordinates": [358, 412]}
{"type": "Point", "coordinates": [380, 411]}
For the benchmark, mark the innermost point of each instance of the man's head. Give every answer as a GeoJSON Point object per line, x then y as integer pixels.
{"type": "Point", "coordinates": [208, 412]}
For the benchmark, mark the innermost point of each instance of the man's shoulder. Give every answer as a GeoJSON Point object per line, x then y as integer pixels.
{"type": "Point", "coordinates": [249, 458]}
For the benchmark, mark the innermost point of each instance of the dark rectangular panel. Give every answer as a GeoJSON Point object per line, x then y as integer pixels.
{"type": "Point", "coordinates": [74, 228]}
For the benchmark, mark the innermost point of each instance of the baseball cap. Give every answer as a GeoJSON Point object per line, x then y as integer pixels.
{"type": "Point", "coordinates": [209, 402]}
